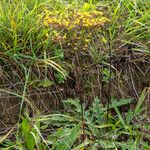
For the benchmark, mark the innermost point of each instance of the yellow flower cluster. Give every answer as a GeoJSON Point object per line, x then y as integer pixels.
{"type": "Point", "coordinates": [75, 28]}
{"type": "Point", "coordinates": [89, 19]}
{"type": "Point", "coordinates": [75, 19]}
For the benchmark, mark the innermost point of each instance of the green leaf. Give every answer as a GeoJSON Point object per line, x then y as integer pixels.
{"type": "Point", "coordinates": [30, 141]}
{"type": "Point", "coordinates": [74, 104]}
{"type": "Point", "coordinates": [58, 53]}
{"type": "Point", "coordinates": [68, 141]}
{"type": "Point", "coordinates": [59, 77]}
{"type": "Point", "coordinates": [88, 7]}
{"type": "Point", "coordinates": [104, 126]}
{"type": "Point", "coordinates": [45, 83]}
{"type": "Point", "coordinates": [28, 134]}
{"type": "Point", "coordinates": [25, 126]}
{"type": "Point", "coordinates": [129, 116]}
{"type": "Point", "coordinates": [120, 103]}
{"type": "Point", "coordinates": [138, 108]}
{"type": "Point", "coordinates": [99, 112]}
{"type": "Point", "coordinates": [83, 145]}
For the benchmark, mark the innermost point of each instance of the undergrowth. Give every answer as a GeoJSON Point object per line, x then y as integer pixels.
{"type": "Point", "coordinates": [79, 51]}
{"type": "Point", "coordinates": [66, 130]}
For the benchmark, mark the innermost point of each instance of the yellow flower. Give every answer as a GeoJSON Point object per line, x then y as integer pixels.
{"type": "Point", "coordinates": [74, 27]}
{"type": "Point", "coordinates": [65, 36]}
{"type": "Point", "coordinates": [87, 40]}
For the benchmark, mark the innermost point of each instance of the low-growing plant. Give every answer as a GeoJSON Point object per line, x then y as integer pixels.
{"type": "Point", "coordinates": [64, 130]}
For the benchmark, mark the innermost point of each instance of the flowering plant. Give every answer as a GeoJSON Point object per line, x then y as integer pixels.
{"type": "Point", "coordinates": [74, 28]}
